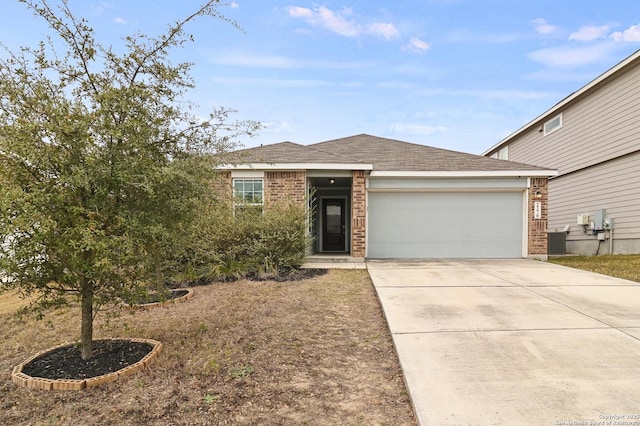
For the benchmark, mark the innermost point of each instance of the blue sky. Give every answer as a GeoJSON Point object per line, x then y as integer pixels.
{"type": "Point", "coordinates": [455, 74]}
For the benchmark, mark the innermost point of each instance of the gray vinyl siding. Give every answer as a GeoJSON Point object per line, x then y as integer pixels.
{"type": "Point", "coordinates": [614, 186]}
{"type": "Point", "coordinates": [599, 126]}
{"type": "Point", "coordinates": [596, 153]}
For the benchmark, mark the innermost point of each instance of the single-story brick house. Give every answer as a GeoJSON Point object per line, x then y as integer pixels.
{"type": "Point", "coordinates": [372, 197]}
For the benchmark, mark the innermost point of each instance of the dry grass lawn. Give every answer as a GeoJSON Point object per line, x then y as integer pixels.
{"type": "Point", "coordinates": [625, 266]}
{"type": "Point", "coordinates": [314, 351]}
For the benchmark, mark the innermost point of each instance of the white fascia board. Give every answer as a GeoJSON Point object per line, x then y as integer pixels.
{"type": "Point", "coordinates": [466, 174]}
{"type": "Point", "coordinates": [296, 166]}
{"type": "Point", "coordinates": [557, 107]}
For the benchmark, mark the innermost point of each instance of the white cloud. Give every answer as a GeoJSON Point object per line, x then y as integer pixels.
{"type": "Point", "coordinates": [542, 27]}
{"type": "Point", "coordinates": [559, 75]}
{"type": "Point", "coordinates": [252, 60]}
{"type": "Point", "coordinates": [272, 82]}
{"type": "Point", "coordinates": [505, 95]}
{"type": "Point", "coordinates": [285, 83]}
{"type": "Point", "coordinates": [337, 23]}
{"type": "Point", "coordinates": [417, 45]}
{"type": "Point", "coordinates": [101, 7]}
{"type": "Point", "coordinates": [234, 5]}
{"type": "Point", "coordinates": [631, 34]}
{"type": "Point", "coordinates": [300, 12]}
{"type": "Point", "coordinates": [465, 36]}
{"type": "Point", "coordinates": [385, 30]}
{"type": "Point", "coordinates": [119, 20]}
{"type": "Point", "coordinates": [590, 33]}
{"type": "Point", "coordinates": [342, 22]}
{"type": "Point", "coordinates": [570, 56]}
{"type": "Point", "coordinates": [278, 127]}
{"type": "Point", "coordinates": [396, 85]}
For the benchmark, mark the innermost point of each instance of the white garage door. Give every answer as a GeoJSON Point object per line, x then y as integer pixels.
{"type": "Point", "coordinates": [445, 224]}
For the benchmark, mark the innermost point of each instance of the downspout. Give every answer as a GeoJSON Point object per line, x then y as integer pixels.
{"type": "Point", "coordinates": [610, 241]}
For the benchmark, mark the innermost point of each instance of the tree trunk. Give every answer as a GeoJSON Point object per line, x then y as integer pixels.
{"type": "Point", "coordinates": [86, 331]}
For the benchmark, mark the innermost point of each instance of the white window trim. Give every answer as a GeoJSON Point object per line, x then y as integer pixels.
{"type": "Point", "coordinates": [546, 123]}
{"type": "Point", "coordinates": [242, 203]}
{"type": "Point", "coordinates": [505, 153]}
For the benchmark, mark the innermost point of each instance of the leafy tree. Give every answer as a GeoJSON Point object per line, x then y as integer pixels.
{"type": "Point", "coordinates": [102, 162]}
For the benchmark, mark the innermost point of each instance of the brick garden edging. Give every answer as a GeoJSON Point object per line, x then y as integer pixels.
{"type": "Point", "coordinates": [143, 306]}
{"type": "Point", "coordinates": [24, 380]}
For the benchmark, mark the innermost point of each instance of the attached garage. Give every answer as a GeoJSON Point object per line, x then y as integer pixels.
{"type": "Point", "coordinates": [379, 198]}
{"type": "Point", "coordinates": [436, 222]}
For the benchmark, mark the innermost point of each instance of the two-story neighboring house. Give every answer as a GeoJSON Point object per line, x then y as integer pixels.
{"type": "Point", "coordinates": [592, 137]}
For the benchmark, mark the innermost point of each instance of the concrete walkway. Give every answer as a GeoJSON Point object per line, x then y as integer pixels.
{"type": "Point", "coordinates": [513, 342]}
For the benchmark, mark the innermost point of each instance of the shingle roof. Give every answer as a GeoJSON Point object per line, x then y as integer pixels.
{"type": "Point", "coordinates": [287, 152]}
{"type": "Point", "coordinates": [385, 155]}
{"type": "Point", "coordinates": [393, 155]}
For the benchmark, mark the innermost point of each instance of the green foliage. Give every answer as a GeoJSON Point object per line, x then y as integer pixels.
{"type": "Point", "coordinates": [210, 399]}
{"type": "Point", "coordinates": [227, 247]}
{"type": "Point", "coordinates": [241, 372]}
{"type": "Point", "coordinates": [102, 166]}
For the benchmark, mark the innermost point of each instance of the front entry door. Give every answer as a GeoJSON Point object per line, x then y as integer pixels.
{"type": "Point", "coordinates": [333, 225]}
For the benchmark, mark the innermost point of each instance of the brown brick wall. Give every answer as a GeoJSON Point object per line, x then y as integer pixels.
{"type": "Point", "coordinates": [287, 186]}
{"type": "Point", "coordinates": [358, 214]}
{"type": "Point", "coordinates": [223, 185]}
{"type": "Point", "coordinates": [538, 227]}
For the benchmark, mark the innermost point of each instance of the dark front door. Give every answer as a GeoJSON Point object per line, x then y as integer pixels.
{"type": "Point", "coordinates": [333, 225]}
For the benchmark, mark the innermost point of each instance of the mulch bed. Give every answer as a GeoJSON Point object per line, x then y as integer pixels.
{"type": "Point", "coordinates": [66, 362]}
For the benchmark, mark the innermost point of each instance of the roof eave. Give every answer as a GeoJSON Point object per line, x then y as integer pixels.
{"type": "Point", "coordinates": [466, 173]}
{"type": "Point", "coordinates": [296, 166]}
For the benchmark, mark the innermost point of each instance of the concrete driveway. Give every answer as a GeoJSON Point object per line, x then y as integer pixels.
{"type": "Point", "coordinates": [513, 342]}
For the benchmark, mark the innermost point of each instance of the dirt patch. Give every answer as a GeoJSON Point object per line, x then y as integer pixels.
{"type": "Point", "coordinates": [315, 351]}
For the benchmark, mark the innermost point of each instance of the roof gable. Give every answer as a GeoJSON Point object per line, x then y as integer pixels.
{"type": "Point", "coordinates": [377, 154]}
{"type": "Point", "coordinates": [286, 152]}
{"type": "Point", "coordinates": [394, 155]}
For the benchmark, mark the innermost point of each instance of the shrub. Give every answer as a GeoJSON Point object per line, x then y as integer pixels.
{"type": "Point", "coordinates": [226, 247]}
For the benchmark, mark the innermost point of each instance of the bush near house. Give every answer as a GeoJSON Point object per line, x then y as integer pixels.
{"type": "Point", "coordinates": [224, 246]}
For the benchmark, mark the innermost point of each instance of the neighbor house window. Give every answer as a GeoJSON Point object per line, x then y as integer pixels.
{"type": "Point", "coordinates": [552, 125]}
{"type": "Point", "coordinates": [501, 154]}
{"type": "Point", "coordinates": [249, 195]}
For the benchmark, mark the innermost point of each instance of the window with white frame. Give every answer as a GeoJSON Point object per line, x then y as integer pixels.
{"type": "Point", "coordinates": [552, 125]}
{"type": "Point", "coordinates": [249, 195]}
{"type": "Point", "coordinates": [502, 153]}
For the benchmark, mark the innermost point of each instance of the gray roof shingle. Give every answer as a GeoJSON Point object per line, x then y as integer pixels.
{"type": "Point", "coordinates": [385, 155]}
{"type": "Point", "coordinates": [287, 152]}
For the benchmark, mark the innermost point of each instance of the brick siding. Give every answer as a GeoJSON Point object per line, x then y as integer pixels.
{"type": "Point", "coordinates": [358, 214]}
{"type": "Point", "coordinates": [223, 184]}
{"type": "Point", "coordinates": [537, 237]}
{"type": "Point", "coordinates": [287, 186]}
